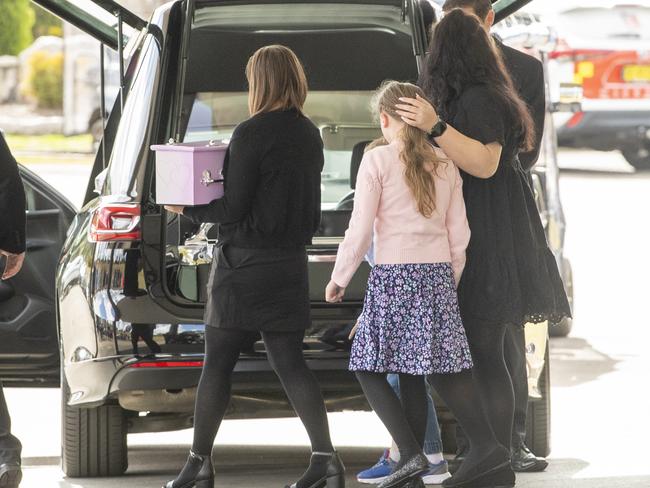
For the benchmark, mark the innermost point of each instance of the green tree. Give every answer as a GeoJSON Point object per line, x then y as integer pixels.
{"type": "Point", "coordinates": [16, 22]}
{"type": "Point", "coordinates": [45, 79]}
{"type": "Point", "coordinates": [46, 24]}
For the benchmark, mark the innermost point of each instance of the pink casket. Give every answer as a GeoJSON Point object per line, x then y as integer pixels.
{"type": "Point", "coordinates": [189, 173]}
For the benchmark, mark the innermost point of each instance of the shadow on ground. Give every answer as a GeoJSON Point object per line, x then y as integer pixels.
{"type": "Point", "coordinates": [276, 466]}
{"type": "Point", "coordinates": [236, 466]}
{"type": "Point", "coordinates": [575, 361]}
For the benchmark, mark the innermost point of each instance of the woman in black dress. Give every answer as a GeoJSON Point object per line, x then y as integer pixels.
{"type": "Point", "coordinates": [511, 277]}
{"type": "Point", "coordinates": [258, 281]}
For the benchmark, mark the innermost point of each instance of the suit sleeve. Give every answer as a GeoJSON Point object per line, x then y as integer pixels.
{"type": "Point", "coordinates": [536, 102]}
{"type": "Point", "coordinates": [242, 171]}
{"type": "Point", "coordinates": [12, 203]}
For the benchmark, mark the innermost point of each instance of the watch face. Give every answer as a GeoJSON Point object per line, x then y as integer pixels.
{"type": "Point", "coordinates": [438, 129]}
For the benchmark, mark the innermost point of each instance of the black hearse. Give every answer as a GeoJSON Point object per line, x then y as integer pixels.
{"type": "Point", "coordinates": [121, 331]}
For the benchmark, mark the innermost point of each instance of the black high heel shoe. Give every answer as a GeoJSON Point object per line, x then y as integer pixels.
{"type": "Point", "coordinates": [494, 471]}
{"type": "Point", "coordinates": [408, 473]}
{"type": "Point", "coordinates": [197, 473]}
{"type": "Point", "coordinates": [333, 475]}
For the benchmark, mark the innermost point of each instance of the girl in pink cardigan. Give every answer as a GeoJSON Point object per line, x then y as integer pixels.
{"type": "Point", "coordinates": [409, 205]}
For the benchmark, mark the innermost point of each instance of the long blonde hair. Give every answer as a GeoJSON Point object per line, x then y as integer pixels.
{"type": "Point", "coordinates": [417, 153]}
{"type": "Point", "coordinates": [276, 80]}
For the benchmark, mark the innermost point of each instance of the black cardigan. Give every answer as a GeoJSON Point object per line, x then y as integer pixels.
{"type": "Point", "coordinates": [272, 183]}
{"type": "Point", "coordinates": [12, 203]}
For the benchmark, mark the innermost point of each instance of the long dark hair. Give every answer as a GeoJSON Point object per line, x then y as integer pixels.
{"type": "Point", "coordinates": [462, 54]}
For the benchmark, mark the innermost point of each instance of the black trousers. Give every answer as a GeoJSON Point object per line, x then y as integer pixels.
{"type": "Point", "coordinates": [515, 357]}
{"type": "Point", "coordinates": [10, 446]}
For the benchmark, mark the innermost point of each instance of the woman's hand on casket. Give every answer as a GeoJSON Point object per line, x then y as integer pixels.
{"type": "Point", "coordinates": [177, 209]}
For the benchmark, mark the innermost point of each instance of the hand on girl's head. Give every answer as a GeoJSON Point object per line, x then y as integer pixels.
{"type": "Point", "coordinates": [417, 112]}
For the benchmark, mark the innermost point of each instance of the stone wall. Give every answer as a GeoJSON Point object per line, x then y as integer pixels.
{"type": "Point", "coordinates": [8, 78]}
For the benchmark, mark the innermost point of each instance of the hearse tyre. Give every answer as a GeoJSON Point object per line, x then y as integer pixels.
{"type": "Point", "coordinates": [93, 439]}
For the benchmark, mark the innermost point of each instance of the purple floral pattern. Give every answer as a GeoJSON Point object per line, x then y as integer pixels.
{"type": "Point", "coordinates": [411, 322]}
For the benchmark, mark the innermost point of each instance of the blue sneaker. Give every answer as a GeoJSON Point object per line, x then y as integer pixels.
{"type": "Point", "coordinates": [379, 471]}
{"type": "Point", "coordinates": [437, 473]}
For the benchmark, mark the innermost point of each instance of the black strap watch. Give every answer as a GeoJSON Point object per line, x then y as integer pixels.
{"type": "Point", "coordinates": [438, 129]}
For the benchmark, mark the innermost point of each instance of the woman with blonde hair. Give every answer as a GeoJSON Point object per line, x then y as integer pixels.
{"type": "Point", "coordinates": [258, 281]}
{"type": "Point", "coordinates": [409, 205]}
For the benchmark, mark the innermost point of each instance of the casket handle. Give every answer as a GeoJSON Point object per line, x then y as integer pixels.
{"type": "Point", "coordinates": [206, 178]}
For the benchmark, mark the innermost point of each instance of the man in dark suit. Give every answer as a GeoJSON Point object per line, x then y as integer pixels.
{"type": "Point", "coordinates": [12, 251]}
{"type": "Point", "coordinates": [527, 74]}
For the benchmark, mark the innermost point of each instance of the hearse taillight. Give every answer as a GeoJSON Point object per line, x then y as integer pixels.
{"type": "Point", "coordinates": [116, 222]}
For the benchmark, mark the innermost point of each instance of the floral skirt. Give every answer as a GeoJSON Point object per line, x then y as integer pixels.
{"type": "Point", "coordinates": [410, 322]}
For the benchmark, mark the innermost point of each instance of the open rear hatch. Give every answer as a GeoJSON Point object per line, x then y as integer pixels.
{"type": "Point", "coordinates": [338, 43]}
{"type": "Point", "coordinates": [348, 49]}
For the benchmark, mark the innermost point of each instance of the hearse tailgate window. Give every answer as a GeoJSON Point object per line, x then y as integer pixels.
{"type": "Point", "coordinates": [347, 50]}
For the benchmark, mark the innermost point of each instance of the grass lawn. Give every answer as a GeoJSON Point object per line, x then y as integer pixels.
{"type": "Point", "coordinates": [50, 143]}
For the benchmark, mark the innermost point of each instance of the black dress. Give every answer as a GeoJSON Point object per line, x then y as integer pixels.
{"type": "Point", "coordinates": [268, 214]}
{"type": "Point", "coordinates": [511, 276]}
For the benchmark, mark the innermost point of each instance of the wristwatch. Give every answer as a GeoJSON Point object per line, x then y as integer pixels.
{"type": "Point", "coordinates": [438, 129]}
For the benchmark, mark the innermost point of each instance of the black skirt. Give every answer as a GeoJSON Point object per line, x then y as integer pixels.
{"type": "Point", "coordinates": [511, 276]}
{"type": "Point", "coordinates": [258, 289]}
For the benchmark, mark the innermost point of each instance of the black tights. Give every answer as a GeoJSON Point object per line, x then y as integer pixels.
{"type": "Point", "coordinates": [284, 349]}
{"type": "Point", "coordinates": [492, 378]}
{"type": "Point", "coordinates": [460, 394]}
{"type": "Point", "coordinates": [405, 419]}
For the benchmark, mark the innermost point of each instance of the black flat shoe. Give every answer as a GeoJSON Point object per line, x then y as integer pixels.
{"type": "Point", "coordinates": [524, 461]}
{"type": "Point", "coordinates": [409, 472]}
{"type": "Point", "coordinates": [493, 471]}
{"type": "Point", "coordinates": [333, 472]}
{"type": "Point", "coordinates": [197, 473]}
{"type": "Point", "coordinates": [10, 475]}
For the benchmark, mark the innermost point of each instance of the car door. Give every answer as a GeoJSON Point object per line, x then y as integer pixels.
{"type": "Point", "coordinates": [29, 352]}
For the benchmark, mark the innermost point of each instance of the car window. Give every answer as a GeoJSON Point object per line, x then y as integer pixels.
{"type": "Point", "coordinates": [343, 117]}
{"type": "Point", "coordinates": [347, 49]}
{"type": "Point", "coordinates": [130, 145]}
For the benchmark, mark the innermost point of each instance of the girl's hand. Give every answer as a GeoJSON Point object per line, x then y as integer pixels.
{"type": "Point", "coordinates": [177, 209]}
{"type": "Point", "coordinates": [417, 112]}
{"type": "Point", "coordinates": [334, 293]}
